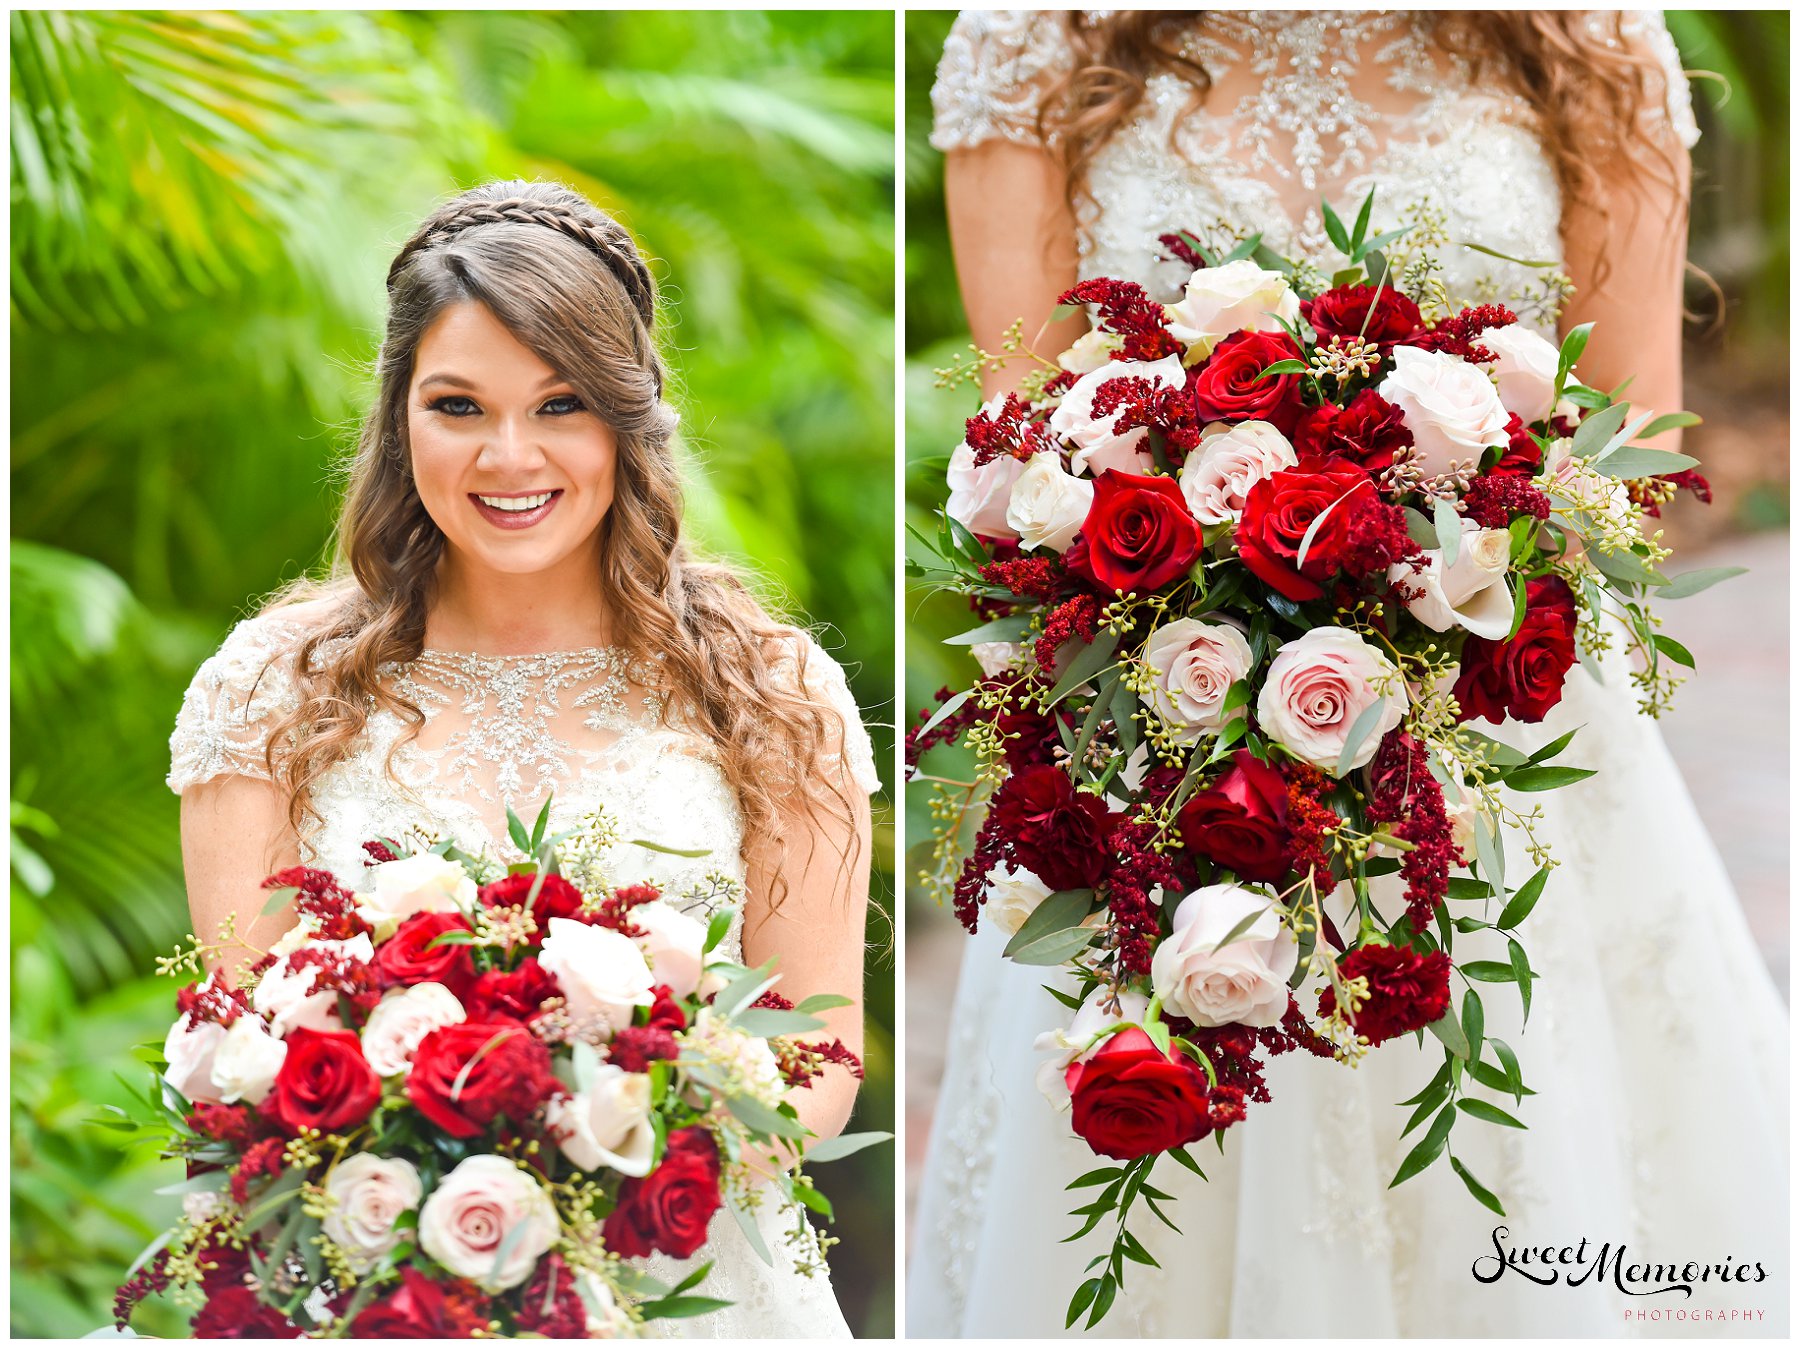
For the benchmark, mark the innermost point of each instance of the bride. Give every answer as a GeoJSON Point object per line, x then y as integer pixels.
{"type": "Point", "coordinates": [515, 618]}
{"type": "Point", "coordinates": [1656, 1043]}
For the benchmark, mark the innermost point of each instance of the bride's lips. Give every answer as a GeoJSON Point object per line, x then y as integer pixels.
{"type": "Point", "coordinates": [504, 519]}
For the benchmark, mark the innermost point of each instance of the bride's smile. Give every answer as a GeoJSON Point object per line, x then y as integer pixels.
{"type": "Point", "coordinates": [511, 463]}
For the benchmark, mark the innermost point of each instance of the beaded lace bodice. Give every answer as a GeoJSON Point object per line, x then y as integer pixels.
{"type": "Point", "coordinates": [1303, 104]}
{"type": "Point", "coordinates": [585, 729]}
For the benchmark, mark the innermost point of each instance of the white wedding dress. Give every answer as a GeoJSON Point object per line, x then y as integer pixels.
{"type": "Point", "coordinates": [511, 731]}
{"type": "Point", "coordinates": [1657, 1043]}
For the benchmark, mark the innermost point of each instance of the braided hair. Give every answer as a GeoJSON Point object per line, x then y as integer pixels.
{"type": "Point", "coordinates": [569, 283]}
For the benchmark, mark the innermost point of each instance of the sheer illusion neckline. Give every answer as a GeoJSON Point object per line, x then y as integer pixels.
{"type": "Point", "coordinates": [491, 658]}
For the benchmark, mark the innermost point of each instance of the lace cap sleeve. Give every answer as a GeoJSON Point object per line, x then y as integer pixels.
{"type": "Point", "coordinates": [823, 681]}
{"type": "Point", "coordinates": [1646, 28]}
{"type": "Point", "coordinates": [995, 69]}
{"type": "Point", "coordinates": [235, 700]}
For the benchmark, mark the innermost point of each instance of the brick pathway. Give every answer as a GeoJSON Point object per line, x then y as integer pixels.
{"type": "Point", "coordinates": [1730, 736]}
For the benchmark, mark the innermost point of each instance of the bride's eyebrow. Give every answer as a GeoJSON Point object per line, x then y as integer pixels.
{"type": "Point", "coordinates": [447, 377]}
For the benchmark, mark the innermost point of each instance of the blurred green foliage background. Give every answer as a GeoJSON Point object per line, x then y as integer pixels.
{"type": "Point", "coordinates": [203, 207]}
{"type": "Point", "coordinates": [1737, 356]}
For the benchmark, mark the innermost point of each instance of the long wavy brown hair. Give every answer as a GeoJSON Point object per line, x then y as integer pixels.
{"type": "Point", "coordinates": [569, 282]}
{"type": "Point", "coordinates": [1587, 88]}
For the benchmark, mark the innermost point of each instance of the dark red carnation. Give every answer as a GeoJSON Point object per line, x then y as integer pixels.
{"type": "Point", "coordinates": [1522, 678]}
{"type": "Point", "coordinates": [325, 1083]}
{"type": "Point", "coordinates": [1227, 387]}
{"type": "Point", "coordinates": [635, 1048]}
{"type": "Point", "coordinates": [235, 1313]}
{"type": "Point", "coordinates": [1139, 533]}
{"type": "Point", "coordinates": [1056, 832]}
{"type": "Point", "coordinates": [1278, 512]}
{"type": "Point", "coordinates": [422, 1309]}
{"type": "Point", "coordinates": [1523, 456]}
{"type": "Point", "coordinates": [512, 995]}
{"type": "Point", "coordinates": [408, 957]}
{"type": "Point", "coordinates": [1366, 431]}
{"type": "Point", "coordinates": [669, 1209]}
{"type": "Point", "coordinates": [551, 1307]}
{"type": "Point", "coordinates": [1240, 821]}
{"type": "Point", "coordinates": [1131, 1099]}
{"type": "Point", "coordinates": [1381, 315]}
{"type": "Point", "coordinates": [556, 898]}
{"type": "Point", "coordinates": [1408, 990]}
{"type": "Point", "coordinates": [465, 1076]}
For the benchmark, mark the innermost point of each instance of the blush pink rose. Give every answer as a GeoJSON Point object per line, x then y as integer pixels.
{"type": "Point", "coordinates": [1316, 688]}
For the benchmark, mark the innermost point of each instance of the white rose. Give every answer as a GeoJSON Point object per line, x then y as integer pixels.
{"type": "Point", "coordinates": [608, 1124]}
{"type": "Point", "coordinates": [1525, 372]}
{"type": "Point", "coordinates": [603, 974]}
{"type": "Point", "coordinates": [978, 496]}
{"type": "Point", "coordinates": [1195, 665]}
{"type": "Point", "coordinates": [1568, 476]}
{"type": "Point", "coordinates": [1067, 1047]}
{"type": "Point", "coordinates": [1316, 688]}
{"type": "Point", "coordinates": [743, 1056]}
{"type": "Point", "coordinates": [1096, 447]}
{"type": "Point", "coordinates": [993, 657]}
{"type": "Point", "coordinates": [1228, 462]}
{"type": "Point", "coordinates": [202, 1206]}
{"type": "Point", "coordinates": [1450, 406]}
{"type": "Point", "coordinates": [402, 1019]}
{"type": "Point", "coordinates": [1220, 301]}
{"type": "Point", "coordinates": [489, 1222]}
{"type": "Point", "coordinates": [1468, 594]}
{"type": "Point", "coordinates": [369, 1194]}
{"type": "Point", "coordinates": [1048, 505]}
{"type": "Point", "coordinates": [285, 994]}
{"type": "Point", "coordinates": [246, 1061]}
{"type": "Point", "coordinates": [295, 937]}
{"type": "Point", "coordinates": [1090, 351]}
{"type": "Point", "coordinates": [1013, 895]}
{"type": "Point", "coordinates": [1463, 807]}
{"type": "Point", "coordinates": [423, 883]}
{"type": "Point", "coordinates": [606, 1319]}
{"type": "Point", "coordinates": [672, 944]}
{"type": "Point", "coordinates": [190, 1047]}
{"type": "Point", "coordinates": [1245, 982]}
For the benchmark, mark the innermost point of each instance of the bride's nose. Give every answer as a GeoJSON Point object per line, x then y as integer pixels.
{"type": "Point", "coordinates": [512, 446]}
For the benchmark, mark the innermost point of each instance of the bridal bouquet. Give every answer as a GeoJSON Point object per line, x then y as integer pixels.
{"type": "Point", "coordinates": [1252, 571]}
{"type": "Point", "coordinates": [444, 1108]}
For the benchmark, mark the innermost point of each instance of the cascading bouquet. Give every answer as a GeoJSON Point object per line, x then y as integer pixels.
{"type": "Point", "coordinates": [1250, 566]}
{"type": "Point", "coordinates": [465, 1101]}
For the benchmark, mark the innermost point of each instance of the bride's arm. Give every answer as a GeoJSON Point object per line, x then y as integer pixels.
{"type": "Point", "coordinates": [1636, 310]}
{"type": "Point", "coordinates": [234, 833]}
{"type": "Point", "coordinates": [1014, 242]}
{"type": "Point", "coordinates": [815, 935]}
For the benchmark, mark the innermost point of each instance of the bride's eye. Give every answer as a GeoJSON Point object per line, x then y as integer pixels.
{"type": "Point", "coordinates": [562, 405]}
{"type": "Point", "coordinates": [454, 405]}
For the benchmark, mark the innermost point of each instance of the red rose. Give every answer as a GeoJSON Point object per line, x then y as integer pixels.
{"type": "Point", "coordinates": [1381, 315]}
{"type": "Point", "coordinates": [235, 1313]}
{"type": "Point", "coordinates": [1366, 431]}
{"type": "Point", "coordinates": [512, 995]}
{"type": "Point", "coordinates": [1522, 678]}
{"type": "Point", "coordinates": [1408, 990]}
{"type": "Point", "coordinates": [1241, 820]}
{"type": "Point", "coordinates": [1523, 456]}
{"type": "Point", "coordinates": [1130, 1098]}
{"type": "Point", "coordinates": [556, 898]}
{"type": "Point", "coordinates": [1226, 387]}
{"type": "Point", "coordinates": [324, 1082]}
{"type": "Point", "coordinates": [1139, 533]}
{"type": "Point", "coordinates": [1057, 833]}
{"type": "Point", "coordinates": [665, 1012]}
{"type": "Point", "coordinates": [1282, 507]}
{"type": "Point", "coordinates": [464, 1076]}
{"type": "Point", "coordinates": [422, 1309]}
{"type": "Point", "coordinates": [404, 959]}
{"type": "Point", "coordinates": [669, 1209]}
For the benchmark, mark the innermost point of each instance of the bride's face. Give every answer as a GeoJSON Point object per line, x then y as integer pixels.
{"type": "Point", "coordinates": [509, 462]}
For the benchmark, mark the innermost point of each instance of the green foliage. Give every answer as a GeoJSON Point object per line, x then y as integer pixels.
{"type": "Point", "coordinates": [203, 208]}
